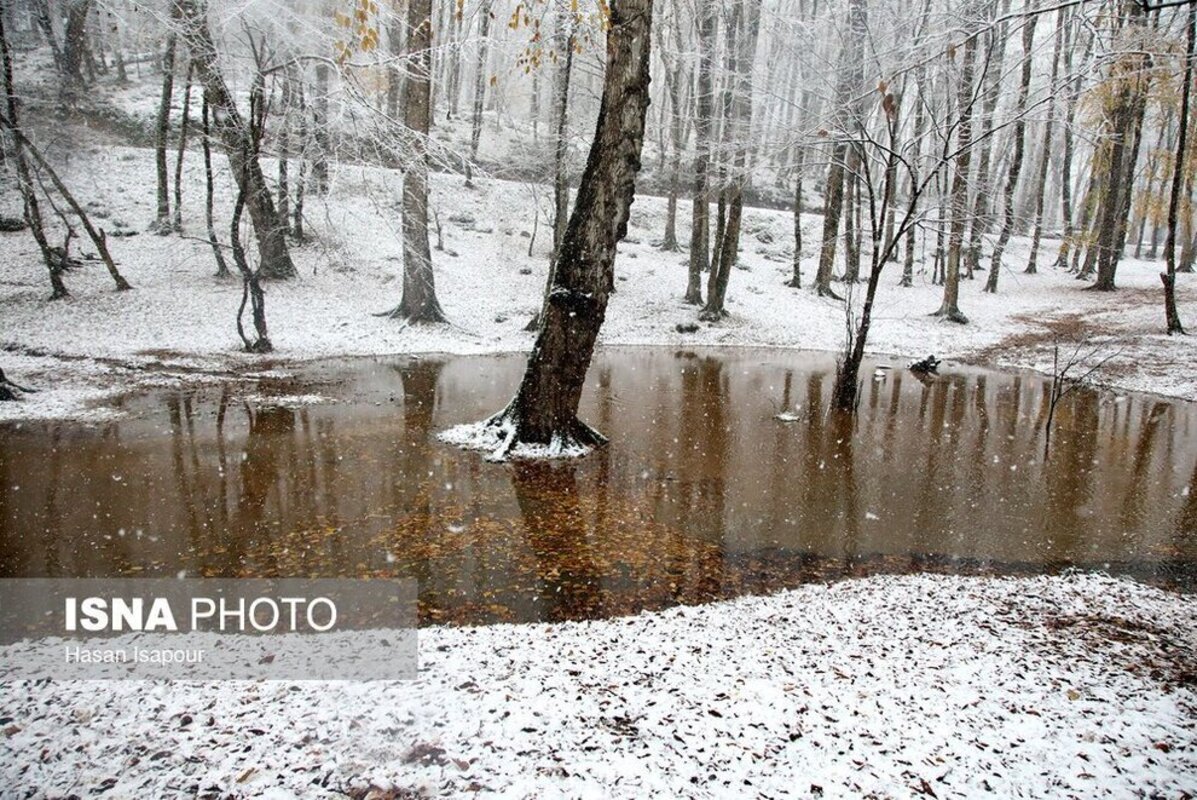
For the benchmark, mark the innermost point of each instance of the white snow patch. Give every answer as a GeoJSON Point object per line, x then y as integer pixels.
{"type": "Point", "coordinates": [975, 686]}
{"type": "Point", "coordinates": [493, 438]}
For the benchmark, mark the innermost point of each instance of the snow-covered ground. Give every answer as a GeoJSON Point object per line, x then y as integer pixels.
{"type": "Point", "coordinates": [1077, 686]}
{"type": "Point", "coordinates": [178, 322]}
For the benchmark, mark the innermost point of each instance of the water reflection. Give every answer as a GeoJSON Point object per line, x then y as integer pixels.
{"type": "Point", "coordinates": [703, 493]}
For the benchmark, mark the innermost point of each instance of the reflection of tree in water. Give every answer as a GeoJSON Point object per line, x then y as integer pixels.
{"type": "Point", "coordinates": [1067, 475]}
{"type": "Point", "coordinates": [571, 585]}
{"type": "Point", "coordinates": [703, 453]}
{"type": "Point", "coordinates": [1157, 416]}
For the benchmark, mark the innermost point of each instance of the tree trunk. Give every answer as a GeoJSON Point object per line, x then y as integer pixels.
{"type": "Point", "coordinates": [1074, 101]}
{"type": "Point", "coordinates": [320, 131]}
{"type": "Point", "coordinates": [847, 86]}
{"type": "Point", "coordinates": [177, 221]}
{"type": "Point", "coordinates": [545, 408]}
{"type": "Point", "coordinates": [1039, 188]}
{"type": "Point", "coordinates": [700, 219]}
{"type": "Point", "coordinates": [982, 221]}
{"type": "Point", "coordinates": [74, 52]}
{"type": "Point", "coordinates": [795, 280]}
{"type": "Point", "coordinates": [1020, 130]}
{"type": "Point", "coordinates": [419, 303]}
{"type": "Point", "coordinates": [480, 68]}
{"type": "Point", "coordinates": [162, 130]}
{"type": "Point", "coordinates": [1171, 315]}
{"type": "Point", "coordinates": [950, 308]}
{"type": "Point", "coordinates": [1131, 76]}
{"type": "Point", "coordinates": [222, 267]}
{"type": "Point", "coordinates": [238, 140]}
{"type": "Point", "coordinates": [560, 134]}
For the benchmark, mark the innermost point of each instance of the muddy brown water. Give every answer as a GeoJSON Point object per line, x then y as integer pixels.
{"type": "Point", "coordinates": [702, 494]}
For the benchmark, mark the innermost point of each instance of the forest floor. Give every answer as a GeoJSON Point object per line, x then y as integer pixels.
{"type": "Point", "coordinates": [908, 686]}
{"type": "Point", "coordinates": [178, 323]}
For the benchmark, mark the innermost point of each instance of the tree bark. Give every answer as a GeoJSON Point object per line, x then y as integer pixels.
{"type": "Point", "coordinates": [545, 408]}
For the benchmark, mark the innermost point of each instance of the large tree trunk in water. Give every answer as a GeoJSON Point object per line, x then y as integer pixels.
{"type": "Point", "coordinates": [419, 303]}
{"type": "Point", "coordinates": [162, 130]}
{"type": "Point", "coordinates": [950, 308]}
{"type": "Point", "coordinates": [1020, 130]}
{"type": "Point", "coordinates": [1171, 315]}
{"type": "Point", "coordinates": [700, 219]}
{"type": "Point", "coordinates": [238, 140]}
{"type": "Point", "coordinates": [545, 408]}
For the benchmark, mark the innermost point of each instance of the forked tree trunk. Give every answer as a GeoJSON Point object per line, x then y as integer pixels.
{"type": "Point", "coordinates": [545, 408]}
{"type": "Point", "coordinates": [419, 303]}
{"type": "Point", "coordinates": [238, 140]}
{"type": "Point", "coordinates": [1171, 315]}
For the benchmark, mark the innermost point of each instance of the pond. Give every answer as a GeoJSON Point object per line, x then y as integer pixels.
{"type": "Point", "coordinates": [703, 493]}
